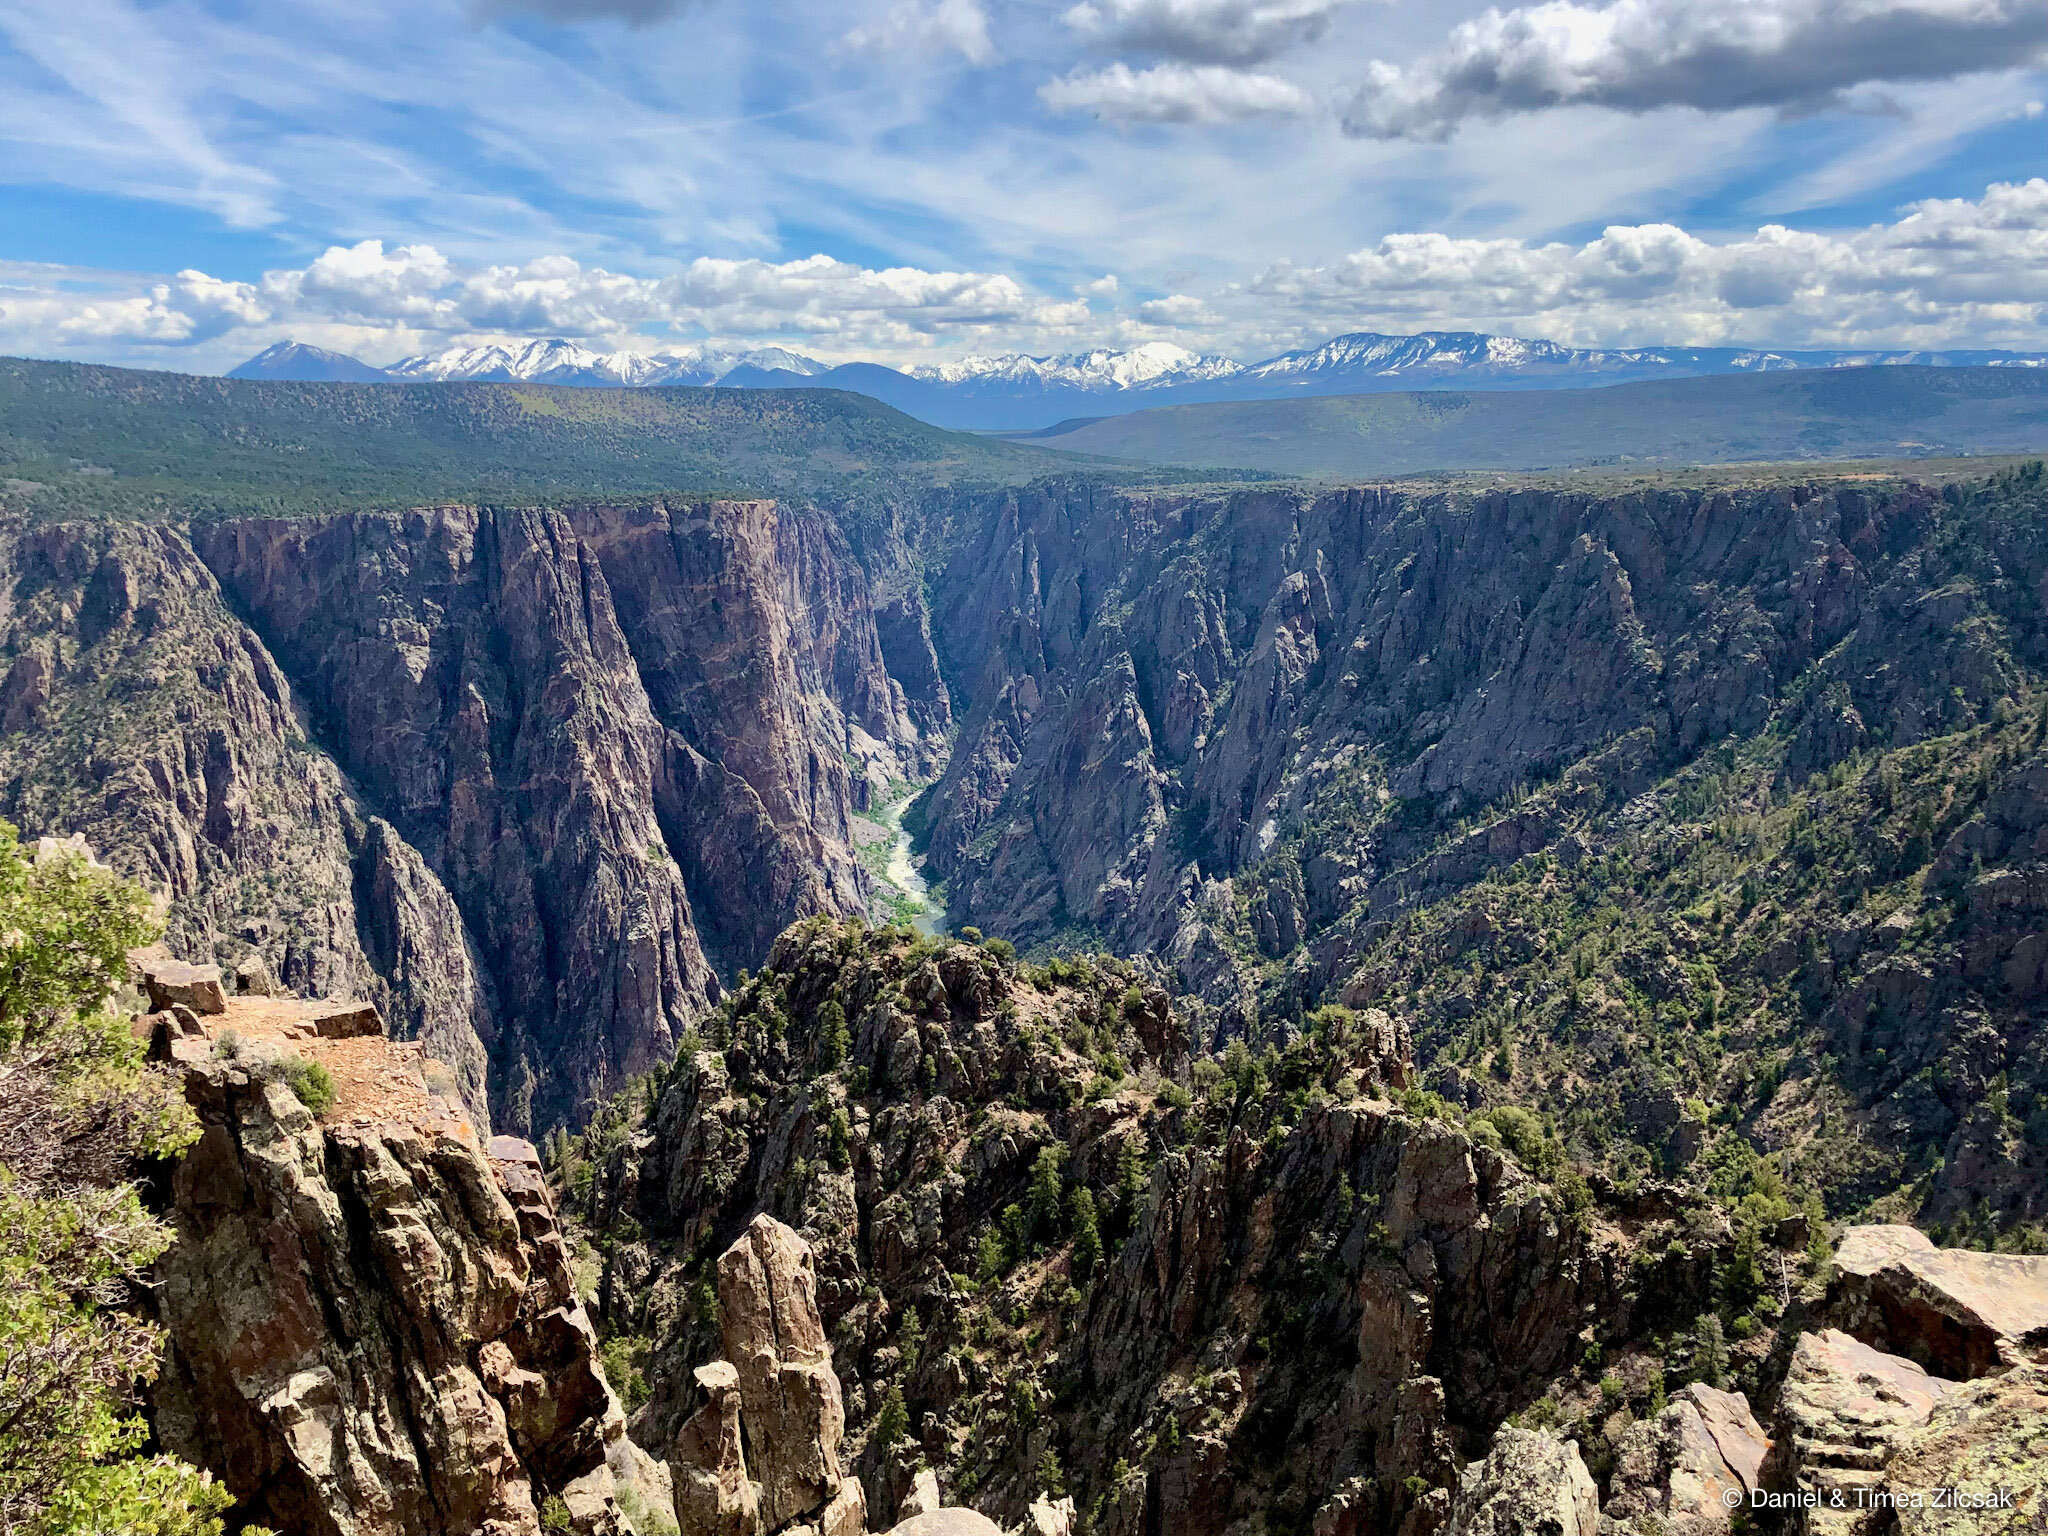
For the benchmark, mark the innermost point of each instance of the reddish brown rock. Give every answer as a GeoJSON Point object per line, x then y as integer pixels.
{"type": "Point", "coordinates": [334, 1279]}
{"type": "Point", "coordinates": [1957, 1312]}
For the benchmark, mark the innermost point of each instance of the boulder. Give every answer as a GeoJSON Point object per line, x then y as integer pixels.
{"type": "Point", "coordinates": [1958, 1313]}
{"type": "Point", "coordinates": [1844, 1409]}
{"type": "Point", "coordinates": [253, 978]}
{"type": "Point", "coordinates": [1530, 1484]}
{"type": "Point", "coordinates": [198, 987]}
{"type": "Point", "coordinates": [1986, 1441]}
{"type": "Point", "coordinates": [1674, 1472]}
{"type": "Point", "coordinates": [344, 1021]}
{"type": "Point", "coordinates": [923, 1497]}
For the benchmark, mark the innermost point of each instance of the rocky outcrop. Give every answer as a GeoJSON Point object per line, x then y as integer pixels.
{"type": "Point", "coordinates": [1871, 1441]}
{"type": "Point", "coordinates": [1987, 1443]}
{"type": "Point", "coordinates": [1958, 1313]}
{"type": "Point", "coordinates": [371, 1316]}
{"type": "Point", "coordinates": [1677, 1472]}
{"type": "Point", "coordinates": [1843, 1410]}
{"type": "Point", "coordinates": [762, 1454]}
{"type": "Point", "coordinates": [1348, 1297]}
{"type": "Point", "coordinates": [1530, 1484]}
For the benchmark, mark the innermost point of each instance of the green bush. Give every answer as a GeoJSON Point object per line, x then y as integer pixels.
{"type": "Point", "coordinates": [311, 1082]}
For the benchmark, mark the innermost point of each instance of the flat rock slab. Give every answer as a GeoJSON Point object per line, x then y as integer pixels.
{"type": "Point", "coordinates": [1959, 1313]}
{"type": "Point", "coordinates": [947, 1522]}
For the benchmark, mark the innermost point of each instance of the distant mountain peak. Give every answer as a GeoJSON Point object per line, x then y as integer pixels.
{"type": "Point", "coordinates": [297, 362]}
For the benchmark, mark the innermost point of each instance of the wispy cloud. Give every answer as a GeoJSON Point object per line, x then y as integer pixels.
{"type": "Point", "coordinates": [1235, 32]}
{"type": "Point", "coordinates": [956, 26]}
{"type": "Point", "coordinates": [1176, 93]}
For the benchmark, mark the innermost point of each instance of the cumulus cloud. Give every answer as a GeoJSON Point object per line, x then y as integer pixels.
{"type": "Point", "coordinates": [1944, 273]}
{"type": "Point", "coordinates": [1176, 93]}
{"type": "Point", "coordinates": [1948, 270]}
{"type": "Point", "coordinates": [1713, 55]}
{"type": "Point", "coordinates": [1176, 309]}
{"type": "Point", "coordinates": [416, 293]}
{"type": "Point", "coordinates": [956, 26]}
{"type": "Point", "coordinates": [1203, 31]}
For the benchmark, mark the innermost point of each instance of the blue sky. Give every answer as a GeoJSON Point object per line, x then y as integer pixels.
{"type": "Point", "coordinates": [185, 181]}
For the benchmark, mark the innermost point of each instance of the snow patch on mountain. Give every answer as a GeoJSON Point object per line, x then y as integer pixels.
{"type": "Point", "coordinates": [1154, 364]}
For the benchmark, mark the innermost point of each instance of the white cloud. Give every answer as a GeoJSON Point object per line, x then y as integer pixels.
{"type": "Point", "coordinates": [1203, 31]}
{"type": "Point", "coordinates": [957, 26]}
{"type": "Point", "coordinates": [415, 292]}
{"type": "Point", "coordinates": [1944, 273]}
{"type": "Point", "coordinates": [1178, 309]}
{"type": "Point", "coordinates": [1712, 55]}
{"type": "Point", "coordinates": [1948, 271]}
{"type": "Point", "coordinates": [1176, 93]}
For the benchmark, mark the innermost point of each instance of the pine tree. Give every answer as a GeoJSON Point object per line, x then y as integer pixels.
{"type": "Point", "coordinates": [1087, 1238]}
{"type": "Point", "coordinates": [834, 1039]}
{"type": "Point", "coordinates": [1048, 1185]}
{"type": "Point", "coordinates": [894, 1420]}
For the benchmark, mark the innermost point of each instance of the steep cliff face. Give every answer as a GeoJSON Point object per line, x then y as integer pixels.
{"type": "Point", "coordinates": [521, 776]}
{"type": "Point", "coordinates": [1267, 648]}
{"type": "Point", "coordinates": [139, 711]}
{"type": "Point", "coordinates": [372, 1319]}
{"type": "Point", "coordinates": [470, 673]}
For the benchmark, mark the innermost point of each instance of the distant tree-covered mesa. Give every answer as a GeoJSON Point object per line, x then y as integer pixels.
{"type": "Point", "coordinates": [83, 439]}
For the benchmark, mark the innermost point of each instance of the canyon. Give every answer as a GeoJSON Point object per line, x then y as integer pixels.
{"type": "Point", "coordinates": [1437, 990]}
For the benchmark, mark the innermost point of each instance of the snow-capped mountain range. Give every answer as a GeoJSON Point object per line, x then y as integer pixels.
{"type": "Point", "coordinates": [1019, 392]}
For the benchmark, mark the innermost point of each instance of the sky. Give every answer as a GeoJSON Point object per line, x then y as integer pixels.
{"type": "Point", "coordinates": [183, 182]}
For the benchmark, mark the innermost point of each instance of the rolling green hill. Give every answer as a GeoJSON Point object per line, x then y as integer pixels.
{"type": "Point", "coordinates": [82, 439]}
{"type": "Point", "coordinates": [1836, 414]}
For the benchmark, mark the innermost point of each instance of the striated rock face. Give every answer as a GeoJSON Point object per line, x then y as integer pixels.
{"type": "Point", "coordinates": [1988, 1441]}
{"type": "Point", "coordinates": [518, 776]}
{"type": "Point", "coordinates": [141, 712]}
{"type": "Point", "coordinates": [474, 679]}
{"type": "Point", "coordinates": [1842, 1412]}
{"type": "Point", "coordinates": [1530, 1484]}
{"type": "Point", "coordinates": [1958, 1313]}
{"type": "Point", "coordinates": [372, 1324]}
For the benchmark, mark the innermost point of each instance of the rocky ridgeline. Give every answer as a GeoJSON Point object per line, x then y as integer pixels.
{"type": "Point", "coordinates": [1320, 1315]}
{"type": "Point", "coordinates": [372, 1320]}
{"type": "Point", "coordinates": [1869, 1437]}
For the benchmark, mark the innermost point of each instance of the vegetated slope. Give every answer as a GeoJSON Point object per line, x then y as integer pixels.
{"type": "Point", "coordinates": [1060, 1254]}
{"type": "Point", "coordinates": [77, 438]}
{"type": "Point", "coordinates": [1835, 414]}
{"type": "Point", "coordinates": [1658, 812]}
